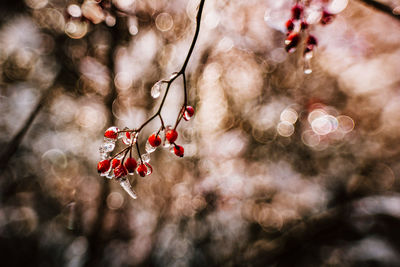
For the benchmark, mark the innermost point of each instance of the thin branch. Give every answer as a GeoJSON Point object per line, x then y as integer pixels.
{"type": "Point", "coordinates": [381, 7]}
{"type": "Point", "coordinates": [181, 72]}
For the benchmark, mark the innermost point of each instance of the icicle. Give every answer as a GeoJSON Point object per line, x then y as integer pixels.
{"type": "Point", "coordinates": [126, 185]}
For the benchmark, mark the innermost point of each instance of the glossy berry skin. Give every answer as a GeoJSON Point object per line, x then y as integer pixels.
{"type": "Point", "coordinates": [292, 41]}
{"type": "Point", "coordinates": [103, 166]}
{"type": "Point", "coordinates": [142, 170]}
{"type": "Point", "coordinates": [130, 165]}
{"type": "Point", "coordinates": [310, 43]}
{"type": "Point", "coordinates": [178, 150]}
{"type": "Point", "coordinates": [311, 40]}
{"type": "Point", "coordinates": [171, 135]}
{"type": "Point", "coordinates": [111, 133]}
{"type": "Point", "coordinates": [115, 163]}
{"type": "Point", "coordinates": [188, 113]}
{"type": "Point", "coordinates": [289, 25]}
{"type": "Point", "coordinates": [297, 11]}
{"type": "Point", "coordinates": [154, 140]}
{"type": "Point", "coordinates": [326, 17]}
{"type": "Point", "coordinates": [303, 25]}
{"type": "Point", "coordinates": [120, 171]}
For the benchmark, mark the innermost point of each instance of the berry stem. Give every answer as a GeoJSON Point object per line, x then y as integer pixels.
{"type": "Point", "coordinates": [181, 71]}
{"type": "Point", "coordinates": [138, 151]}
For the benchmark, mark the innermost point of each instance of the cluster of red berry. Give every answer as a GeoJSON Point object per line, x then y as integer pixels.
{"type": "Point", "coordinates": [122, 164]}
{"type": "Point", "coordinates": [298, 26]}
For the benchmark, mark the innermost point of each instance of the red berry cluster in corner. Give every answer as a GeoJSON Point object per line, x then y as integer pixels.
{"type": "Point", "coordinates": [123, 163]}
{"type": "Point", "coordinates": [297, 28]}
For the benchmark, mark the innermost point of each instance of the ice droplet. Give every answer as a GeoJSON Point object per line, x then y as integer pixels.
{"type": "Point", "coordinates": [146, 157]}
{"type": "Point", "coordinates": [103, 155]}
{"type": "Point", "coordinates": [126, 185]}
{"type": "Point", "coordinates": [307, 66]}
{"type": "Point", "coordinates": [149, 169]}
{"type": "Point", "coordinates": [107, 172]}
{"type": "Point", "coordinates": [149, 148]}
{"type": "Point", "coordinates": [106, 147]}
{"type": "Point", "coordinates": [186, 116]}
{"type": "Point", "coordinates": [156, 89]}
{"type": "Point", "coordinates": [110, 174]}
{"type": "Point", "coordinates": [173, 75]}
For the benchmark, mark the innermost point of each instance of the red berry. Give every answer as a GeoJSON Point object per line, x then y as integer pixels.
{"type": "Point", "coordinates": [297, 11]}
{"type": "Point", "coordinates": [171, 135]}
{"type": "Point", "coordinates": [289, 25]}
{"type": "Point", "coordinates": [188, 113]}
{"type": "Point", "coordinates": [142, 170]}
{"type": "Point", "coordinates": [303, 25]}
{"type": "Point", "coordinates": [311, 40]}
{"type": "Point", "coordinates": [190, 110]}
{"type": "Point", "coordinates": [120, 171]}
{"type": "Point", "coordinates": [310, 43]}
{"type": "Point", "coordinates": [154, 140]}
{"type": "Point", "coordinates": [111, 133]}
{"type": "Point", "coordinates": [115, 163]}
{"type": "Point", "coordinates": [291, 42]}
{"type": "Point", "coordinates": [178, 150]}
{"type": "Point", "coordinates": [326, 17]}
{"type": "Point", "coordinates": [103, 166]}
{"type": "Point", "coordinates": [130, 165]}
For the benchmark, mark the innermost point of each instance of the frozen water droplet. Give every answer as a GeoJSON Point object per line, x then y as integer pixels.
{"type": "Point", "coordinates": [126, 185]}
{"type": "Point", "coordinates": [110, 175]}
{"type": "Point", "coordinates": [186, 116]}
{"type": "Point", "coordinates": [127, 138]}
{"type": "Point", "coordinates": [134, 136]}
{"type": "Point", "coordinates": [156, 89]}
{"type": "Point", "coordinates": [171, 149]}
{"type": "Point", "coordinates": [149, 169]}
{"type": "Point", "coordinates": [146, 157]}
{"type": "Point", "coordinates": [308, 55]}
{"type": "Point", "coordinates": [307, 66]}
{"type": "Point", "coordinates": [107, 172]}
{"type": "Point", "coordinates": [120, 156]}
{"type": "Point", "coordinates": [103, 155]}
{"type": "Point", "coordinates": [107, 147]}
{"type": "Point", "coordinates": [173, 75]}
{"type": "Point", "coordinates": [149, 148]}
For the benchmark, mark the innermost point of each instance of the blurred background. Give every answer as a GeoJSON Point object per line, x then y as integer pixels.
{"type": "Point", "coordinates": [280, 169]}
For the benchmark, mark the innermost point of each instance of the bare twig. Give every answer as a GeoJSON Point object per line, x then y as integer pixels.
{"type": "Point", "coordinates": [381, 7]}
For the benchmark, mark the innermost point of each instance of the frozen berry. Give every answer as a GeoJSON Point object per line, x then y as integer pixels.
{"type": "Point", "coordinates": [326, 17]}
{"type": "Point", "coordinates": [103, 166]}
{"type": "Point", "coordinates": [291, 42]}
{"type": "Point", "coordinates": [297, 11]}
{"type": "Point", "coordinates": [303, 25]}
{"type": "Point", "coordinates": [120, 171]}
{"type": "Point", "coordinates": [142, 170]}
{"type": "Point", "coordinates": [130, 165]}
{"type": "Point", "coordinates": [111, 133]}
{"type": "Point", "coordinates": [178, 150]}
{"type": "Point", "coordinates": [289, 25]}
{"type": "Point", "coordinates": [171, 135]}
{"type": "Point", "coordinates": [115, 163]}
{"type": "Point", "coordinates": [188, 113]}
{"type": "Point", "coordinates": [154, 140]}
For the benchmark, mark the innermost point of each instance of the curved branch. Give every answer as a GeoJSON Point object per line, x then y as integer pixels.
{"type": "Point", "coordinates": [381, 7]}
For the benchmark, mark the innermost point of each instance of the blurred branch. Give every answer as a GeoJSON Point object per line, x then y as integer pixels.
{"type": "Point", "coordinates": [66, 76]}
{"type": "Point", "coordinates": [13, 145]}
{"type": "Point", "coordinates": [381, 7]}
